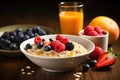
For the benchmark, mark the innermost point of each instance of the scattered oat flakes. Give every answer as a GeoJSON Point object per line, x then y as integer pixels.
{"type": "Point", "coordinates": [27, 70]}
{"type": "Point", "coordinates": [77, 78]}
{"type": "Point", "coordinates": [76, 75]}
{"type": "Point", "coordinates": [28, 67]}
{"type": "Point", "coordinates": [32, 71]}
{"type": "Point", "coordinates": [22, 69]}
{"type": "Point", "coordinates": [29, 73]}
{"type": "Point", "coordinates": [79, 73]}
{"type": "Point", "coordinates": [23, 73]}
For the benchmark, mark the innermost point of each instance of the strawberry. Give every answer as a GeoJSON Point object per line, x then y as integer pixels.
{"type": "Point", "coordinates": [96, 53]}
{"type": "Point", "coordinates": [106, 59]}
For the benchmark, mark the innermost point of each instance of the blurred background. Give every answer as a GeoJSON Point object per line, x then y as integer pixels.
{"type": "Point", "coordinates": [45, 12]}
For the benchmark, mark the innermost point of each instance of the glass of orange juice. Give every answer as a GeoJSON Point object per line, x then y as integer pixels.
{"type": "Point", "coordinates": [71, 17]}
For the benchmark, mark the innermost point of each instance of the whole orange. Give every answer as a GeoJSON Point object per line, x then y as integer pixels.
{"type": "Point", "coordinates": [108, 24]}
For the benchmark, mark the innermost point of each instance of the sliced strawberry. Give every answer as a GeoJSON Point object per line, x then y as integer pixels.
{"type": "Point", "coordinates": [106, 59]}
{"type": "Point", "coordinates": [96, 53]}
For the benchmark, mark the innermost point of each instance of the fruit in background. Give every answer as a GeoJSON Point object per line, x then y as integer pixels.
{"type": "Point", "coordinates": [107, 24]}
{"type": "Point", "coordinates": [12, 40]}
{"type": "Point", "coordinates": [96, 53]}
{"type": "Point", "coordinates": [106, 59]}
{"type": "Point", "coordinates": [87, 30]}
{"type": "Point", "coordinates": [90, 31]}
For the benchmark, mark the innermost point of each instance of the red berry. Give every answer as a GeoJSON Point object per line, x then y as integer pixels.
{"type": "Point", "coordinates": [54, 42]}
{"type": "Point", "coordinates": [37, 39]}
{"type": "Point", "coordinates": [59, 37]}
{"type": "Point", "coordinates": [65, 40]}
{"type": "Point", "coordinates": [96, 53]}
{"type": "Point", "coordinates": [98, 30]}
{"type": "Point", "coordinates": [93, 33]}
{"type": "Point", "coordinates": [88, 29]}
{"type": "Point", "coordinates": [59, 47]}
{"type": "Point", "coordinates": [105, 60]}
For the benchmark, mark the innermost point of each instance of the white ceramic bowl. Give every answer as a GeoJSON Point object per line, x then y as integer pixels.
{"type": "Point", "coordinates": [101, 41]}
{"type": "Point", "coordinates": [53, 64]}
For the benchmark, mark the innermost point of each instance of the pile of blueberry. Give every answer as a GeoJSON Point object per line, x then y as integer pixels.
{"type": "Point", "coordinates": [12, 40]}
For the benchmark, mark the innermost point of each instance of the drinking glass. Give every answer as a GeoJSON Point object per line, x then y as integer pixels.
{"type": "Point", "coordinates": [71, 17]}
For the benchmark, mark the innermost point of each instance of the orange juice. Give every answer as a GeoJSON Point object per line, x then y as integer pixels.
{"type": "Point", "coordinates": [71, 22]}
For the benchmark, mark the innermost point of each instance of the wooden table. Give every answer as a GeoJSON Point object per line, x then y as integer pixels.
{"type": "Point", "coordinates": [20, 68]}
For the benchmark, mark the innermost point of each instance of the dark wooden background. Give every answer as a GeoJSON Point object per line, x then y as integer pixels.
{"type": "Point", "coordinates": [36, 11]}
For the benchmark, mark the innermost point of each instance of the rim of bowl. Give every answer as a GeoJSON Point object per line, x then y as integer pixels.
{"type": "Point", "coordinates": [45, 57]}
{"type": "Point", "coordinates": [106, 33]}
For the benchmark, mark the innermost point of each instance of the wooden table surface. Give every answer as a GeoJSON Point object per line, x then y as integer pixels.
{"type": "Point", "coordinates": [20, 68]}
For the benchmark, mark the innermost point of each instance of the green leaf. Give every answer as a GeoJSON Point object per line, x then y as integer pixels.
{"type": "Point", "coordinates": [117, 54]}
{"type": "Point", "coordinates": [111, 50]}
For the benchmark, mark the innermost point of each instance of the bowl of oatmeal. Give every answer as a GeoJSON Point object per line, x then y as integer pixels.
{"type": "Point", "coordinates": [57, 52]}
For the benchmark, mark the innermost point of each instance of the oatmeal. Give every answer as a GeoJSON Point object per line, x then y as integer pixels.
{"type": "Point", "coordinates": [55, 48]}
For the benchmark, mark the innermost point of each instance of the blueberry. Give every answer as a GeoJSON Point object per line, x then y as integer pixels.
{"type": "Point", "coordinates": [2, 40]}
{"type": "Point", "coordinates": [20, 37]}
{"type": "Point", "coordinates": [18, 30]}
{"type": "Point", "coordinates": [26, 37]}
{"type": "Point", "coordinates": [6, 42]}
{"type": "Point", "coordinates": [85, 67]}
{"type": "Point", "coordinates": [13, 34]}
{"type": "Point", "coordinates": [28, 30]}
{"type": "Point", "coordinates": [31, 34]}
{"type": "Point", "coordinates": [28, 46]}
{"type": "Point", "coordinates": [0, 44]}
{"type": "Point", "coordinates": [47, 48]}
{"type": "Point", "coordinates": [51, 40]}
{"type": "Point", "coordinates": [42, 32]}
{"type": "Point", "coordinates": [5, 35]}
{"type": "Point", "coordinates": [69, 46]}
{"type": "Point", "coordinates": [13, 46]}
{"type": "Point", "coordinates": [39, 45]}
{"type": "Point", "coordinates": [12, 38]}
{"type": "Point", "coordinates": [92, 63]}
{"type": "Point", "coordinates": [36, 29]}
{"type": "Point", "coordinates": [36, 34]}
{"type": "Point", "coordinates": [43, 40]}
